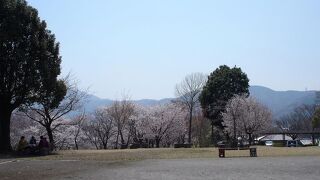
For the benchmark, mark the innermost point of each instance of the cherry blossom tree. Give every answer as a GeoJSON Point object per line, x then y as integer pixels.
{"type": "Point", "coordinates": [22, 126]}
{"type": "Point", "coordinates": [166, 122]}
{"type": "Point", "coordinates": [137, 126]}
{"type": "Point", "coordinates": [246, 116]}
{"type": "Point", "coordinates": [231, 117]}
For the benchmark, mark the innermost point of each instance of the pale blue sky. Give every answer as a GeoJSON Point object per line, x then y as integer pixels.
{"type": "Point", "coordinates": [145, 47]}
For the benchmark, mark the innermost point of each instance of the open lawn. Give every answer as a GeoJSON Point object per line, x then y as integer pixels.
{"type": "Point", "coordinates": [170, 153]}
{"type": "Point", "coordinates": [169, 164]}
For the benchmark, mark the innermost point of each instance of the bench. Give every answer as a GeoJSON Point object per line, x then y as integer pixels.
{"type": "Point", "coordinates": [252, 150]}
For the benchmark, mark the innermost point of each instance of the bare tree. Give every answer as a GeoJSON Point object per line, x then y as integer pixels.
{"type": "Point", "coordinates": [201, 130]}
{"type": "Point", "coordinates": [50, 117]}
{"type": "Point", "coordinates": [188, 94]}
{"type": "Point", "coordinates": [63, 138]}
{"type": "Point", "coordinates": [78, 124]}
{"type": "Point", "coordinates": [299, 120]}
{"type": "Point", "coordinates": [120, 112]}
{"type": "Point", "coordinates": [104, 126]}
{"type": "Point", "coordinates": [90, 132]}
{"type": "Point", "coordinates": [246, 115]}
{"type": "Point", "coordinates": [99, 128]}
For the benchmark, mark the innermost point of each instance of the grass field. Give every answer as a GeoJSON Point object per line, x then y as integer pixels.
{"type": "Point", "coordinates": [170, 153]}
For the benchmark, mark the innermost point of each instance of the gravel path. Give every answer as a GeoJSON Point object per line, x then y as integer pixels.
{"type": "Point", "coordinates": [291, 168]}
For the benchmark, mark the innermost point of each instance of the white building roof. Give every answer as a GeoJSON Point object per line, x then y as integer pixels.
{"type": "Point", "coordinates": [276, 137]}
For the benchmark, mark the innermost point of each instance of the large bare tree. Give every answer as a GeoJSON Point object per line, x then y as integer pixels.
{"type": "Point", "coordinates": [188, 92]}
{"type": "Point", "coordinates": [104, 126]}
{"type": "Point", "coordinates": [120, 112]}
{"type": "Point", "coordinates": [49, 112]}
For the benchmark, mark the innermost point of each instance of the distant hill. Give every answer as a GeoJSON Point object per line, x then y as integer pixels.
{"type": "Point", "coordinates": [280, 102]}
{"type": "Point", "coordinates": [93, 102]}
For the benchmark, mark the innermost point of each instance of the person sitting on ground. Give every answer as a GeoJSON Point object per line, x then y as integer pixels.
{"type": "Point", "coordinates": [23, 144]}
{"type": "Point", "coordinates": [33, 142]}
{"type": "Point", "coordinates": [43, 146]}
{"type": "Point", "coordinates": [33, 145]}
{"type": "Point", "coordinates": [43, 142]}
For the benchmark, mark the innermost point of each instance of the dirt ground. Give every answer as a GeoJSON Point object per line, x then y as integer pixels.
{"type": "Point", "coordinates": [291, 168]}
{"type": "Point", "coordinates": [170, 153]}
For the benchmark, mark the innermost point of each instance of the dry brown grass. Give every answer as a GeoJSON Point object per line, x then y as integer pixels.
{"type": "Point", "coordinates": [169, 153]}
{"type": "Point", "coordinates": [285, 151]}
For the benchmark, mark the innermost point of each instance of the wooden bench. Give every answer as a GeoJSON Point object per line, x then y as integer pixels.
{"type": "Point", "coordinates": [252, 150]}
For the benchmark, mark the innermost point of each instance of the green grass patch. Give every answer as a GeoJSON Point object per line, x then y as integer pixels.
{"type": "Point", "coordinates": [170, 153]}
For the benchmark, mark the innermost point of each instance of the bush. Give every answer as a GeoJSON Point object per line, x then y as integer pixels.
{"type": "Point", "coordinates": [123, 146]}
{"type": "Point", "coordinates": [134, 146]}
{"type": "Point", "coordinates": [182, 145]}
{"type": "Point", "coordinates": [279, 143]}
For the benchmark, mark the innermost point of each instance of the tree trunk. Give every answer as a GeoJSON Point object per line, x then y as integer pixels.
{"type": "Point", "coordinates": [117, 141]}
{"type": "Point", "coordinates": [157, 142]}
{"type": "Point", "coordinates": [235, 142]}
{"type": "Point", "coordinates": [121, 138]}
{"type": "Point", "coordinates": [313, 140]}
{"type": "Point", "coordinates": [250, 138]}
{"type": "Point", "coordinates": [5, 116]}
{"type": "Point", "coordinates": [96, 145]}
{"type": "Point", "coordinates": [76, 144]}
{"type": "Point", "coordinates": [50, 135]}
{"type": "Point", "coordinates": [212, 133]}
{"type": "Point", "coordinates": [190, 121]}
{"type": "Point", "coordinates": [128, 140]}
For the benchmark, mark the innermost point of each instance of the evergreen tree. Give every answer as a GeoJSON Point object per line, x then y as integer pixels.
{"type": "Point", "coordinates": [29, 61]}
{"type": "Point", "coordinates": [316, 119]}
{"type": "Point", "coordinates": [222, 85]}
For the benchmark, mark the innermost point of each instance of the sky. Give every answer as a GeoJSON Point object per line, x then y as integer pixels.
{"type": "Point", "coordinates": [143, 48]}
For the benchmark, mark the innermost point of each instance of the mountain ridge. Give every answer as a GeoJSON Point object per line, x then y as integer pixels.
{"type": "Point", "coordinates": [279, 102]}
